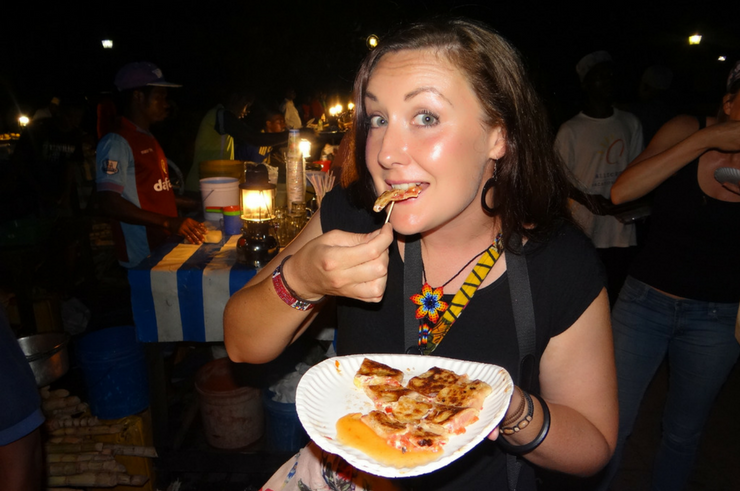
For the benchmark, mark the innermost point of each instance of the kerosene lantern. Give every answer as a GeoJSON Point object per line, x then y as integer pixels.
{"type": "Point", "coordinates": [256, 247]}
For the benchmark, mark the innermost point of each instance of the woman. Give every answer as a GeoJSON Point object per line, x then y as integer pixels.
{"type": "Point", "coordinates": [446, 105]}
{"type": "Point", "coordinates": [681, 297]}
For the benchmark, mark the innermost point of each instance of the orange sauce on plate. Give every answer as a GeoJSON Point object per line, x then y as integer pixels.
{"type": "Point", "coordinates": [356, 434]}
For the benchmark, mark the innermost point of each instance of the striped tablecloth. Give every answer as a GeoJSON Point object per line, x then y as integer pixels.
{"type": "Point", "coordinates": [179, 292]}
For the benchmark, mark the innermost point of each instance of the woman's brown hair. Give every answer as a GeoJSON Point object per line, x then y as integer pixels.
{"type": "Point", "coordinates": [531, 193]}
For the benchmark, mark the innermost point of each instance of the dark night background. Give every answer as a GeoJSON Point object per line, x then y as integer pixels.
{"type": "Point", "coordinates": [269, 45]}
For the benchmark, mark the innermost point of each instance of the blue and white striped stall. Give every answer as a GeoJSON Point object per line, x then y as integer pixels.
{"type": "Point", "coordinates": [179, 292]}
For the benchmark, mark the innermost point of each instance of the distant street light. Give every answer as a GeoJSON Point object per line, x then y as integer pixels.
{"type": "Point", "coordinates": [695, 39]}
{"type": "Point", "coordinates": [23, 121]}
{"type": "Point", "coordinates": [107, 43]}
{"type": "Point", "coordinates": [372, 41]}
{"type": "Point", "coordinates": [722, 58]}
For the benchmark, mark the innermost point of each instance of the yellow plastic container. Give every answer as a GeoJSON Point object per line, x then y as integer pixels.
{"type": "Point", "coordinates": [138, 431]}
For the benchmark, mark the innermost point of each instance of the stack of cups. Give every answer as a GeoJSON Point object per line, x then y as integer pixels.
{"type": "Point", "coordinates": [232, 220]}
{"type": "Point", "coordinates": [295, 171]}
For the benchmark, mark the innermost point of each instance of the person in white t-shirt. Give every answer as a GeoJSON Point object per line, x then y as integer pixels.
{"type": "Point", "coordinates": [596, 145]}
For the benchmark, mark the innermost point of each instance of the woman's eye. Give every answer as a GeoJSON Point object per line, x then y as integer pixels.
{"type": "Point", "coordinates": [377, 121]}
{"type": "Point", "coordinates": [425, 119]}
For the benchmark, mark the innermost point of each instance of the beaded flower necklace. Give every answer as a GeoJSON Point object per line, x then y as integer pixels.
{"type": "Point", "coordinates": [429, 300]}
{"type": "Point", "coordinates": [437, 316]}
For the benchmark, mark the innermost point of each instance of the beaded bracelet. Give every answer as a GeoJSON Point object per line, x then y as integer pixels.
{"type": "Point", "coordinates": [286, 294]}
{"type": "Point", "coordinates": [519, 410]}
{"type": "Point", "coordinates": [524, 422]}
{"type": "Point", "coordinates": [528, 447]}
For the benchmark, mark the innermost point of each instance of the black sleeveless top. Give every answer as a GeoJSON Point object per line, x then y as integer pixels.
{"type": "Point", "coordinates": [565, 275]}
{"type": "Point", "coordinates": [693, 243]}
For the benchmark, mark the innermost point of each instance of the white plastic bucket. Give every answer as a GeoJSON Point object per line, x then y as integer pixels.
{"type": "Point", "coordinates": [218, 192]}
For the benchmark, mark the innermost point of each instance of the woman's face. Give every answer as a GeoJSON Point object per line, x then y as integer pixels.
{"type": "Point", "coordinates": [426, 128]}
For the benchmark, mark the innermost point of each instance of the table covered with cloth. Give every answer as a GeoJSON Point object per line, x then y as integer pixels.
{"type": "Point", "coordinates": [179, 292]}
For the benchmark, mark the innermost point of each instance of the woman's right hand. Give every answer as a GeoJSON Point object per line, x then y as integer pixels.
{"type": "Point", "coordinates": [341, 264]}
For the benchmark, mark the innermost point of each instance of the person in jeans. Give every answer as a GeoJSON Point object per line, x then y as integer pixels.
{"type": "Point", "coordinates": [680, 299]}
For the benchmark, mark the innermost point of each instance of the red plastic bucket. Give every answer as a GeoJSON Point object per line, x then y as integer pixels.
{"type": "Point", "coordinates": [233, 416]}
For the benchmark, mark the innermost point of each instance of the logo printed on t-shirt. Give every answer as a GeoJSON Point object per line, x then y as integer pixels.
{"type": "Point", "coordinates": [110, 167]}
{"type": "Point", "coordinates": [147, 150]}
{"type": "Point", "coordinates": [165, 185]}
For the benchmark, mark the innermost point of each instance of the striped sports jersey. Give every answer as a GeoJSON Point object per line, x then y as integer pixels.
{"type": "Point", "coordinates": [131, 163]}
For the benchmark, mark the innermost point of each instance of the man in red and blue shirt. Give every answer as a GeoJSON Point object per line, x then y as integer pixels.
{"type": "Point", "coordinates": [133, 181]}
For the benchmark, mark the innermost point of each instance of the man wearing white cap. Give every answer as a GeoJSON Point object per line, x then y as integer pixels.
{"type": "Point", "coordinates": [133, 181]}
{"type": "Point", "coordinates": [597, 144]}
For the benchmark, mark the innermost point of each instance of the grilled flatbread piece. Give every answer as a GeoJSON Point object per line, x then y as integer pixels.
{"type": "Point", "coordinates": [433, 380]}
{"type": "Point", "coordinates": [411, 409]}
{"type": "Point", "coordinates": [374, 373]}
{"type": "Point", "coordinates": [403, 436]}
{"type": "Point", "coordinates": [449, 419]}
{"type": "Point", "coordinates": [395, 195]}
{"type": "Point", "coordinates": [384, 394]}
{"type": "Point", "coordinates": [465, 394]}
{"type": "Point", "coordinates": [424, 414]}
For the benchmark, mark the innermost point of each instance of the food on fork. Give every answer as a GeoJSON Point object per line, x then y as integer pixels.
{"type": "Point", "coordinates": [396, 194]}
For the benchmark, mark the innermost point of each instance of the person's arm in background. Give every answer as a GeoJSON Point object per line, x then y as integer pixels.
{"type": "Point", "coordinates": [676, 144]}
{"type": "Point", "coordinates": [110, 181]}
{"type": "Point", "coordinates": [595, 203]}
{"type": "Point", "coordinates": [115, 206]}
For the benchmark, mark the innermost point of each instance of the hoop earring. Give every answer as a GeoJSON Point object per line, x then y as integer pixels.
{"type": "Point", "coordinates": [490, 184]}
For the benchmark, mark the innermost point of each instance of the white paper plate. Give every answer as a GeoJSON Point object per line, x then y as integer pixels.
{"type": "Point", "coordinates": [327, 392]}
{"type": "Point", "coordinates": [727, 174]}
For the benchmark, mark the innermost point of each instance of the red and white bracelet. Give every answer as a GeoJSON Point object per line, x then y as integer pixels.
{"type": "Point", "coordinates": [286, 294]}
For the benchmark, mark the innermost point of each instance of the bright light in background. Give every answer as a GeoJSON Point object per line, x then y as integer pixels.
{"type": "Point", "coordinates": [695, 39]}
{"type": "Point", "coordinates": [350, 106]}
{"type": "Point", "coordinates": [372, 41]}
{"type": "Point", "coordinates": [305, 147]}
{"type": "Point", "coordinates": [107, 43]}
{"type": "Point", "coordinates": [23, 120]}
{"type": "Point", "coordinates": [335, 110]}
{"type": "Point", "coordinates": [722, 58]}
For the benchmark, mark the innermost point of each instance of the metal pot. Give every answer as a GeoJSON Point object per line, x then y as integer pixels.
{"type": "Point", "coordinates": [47, 355]}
